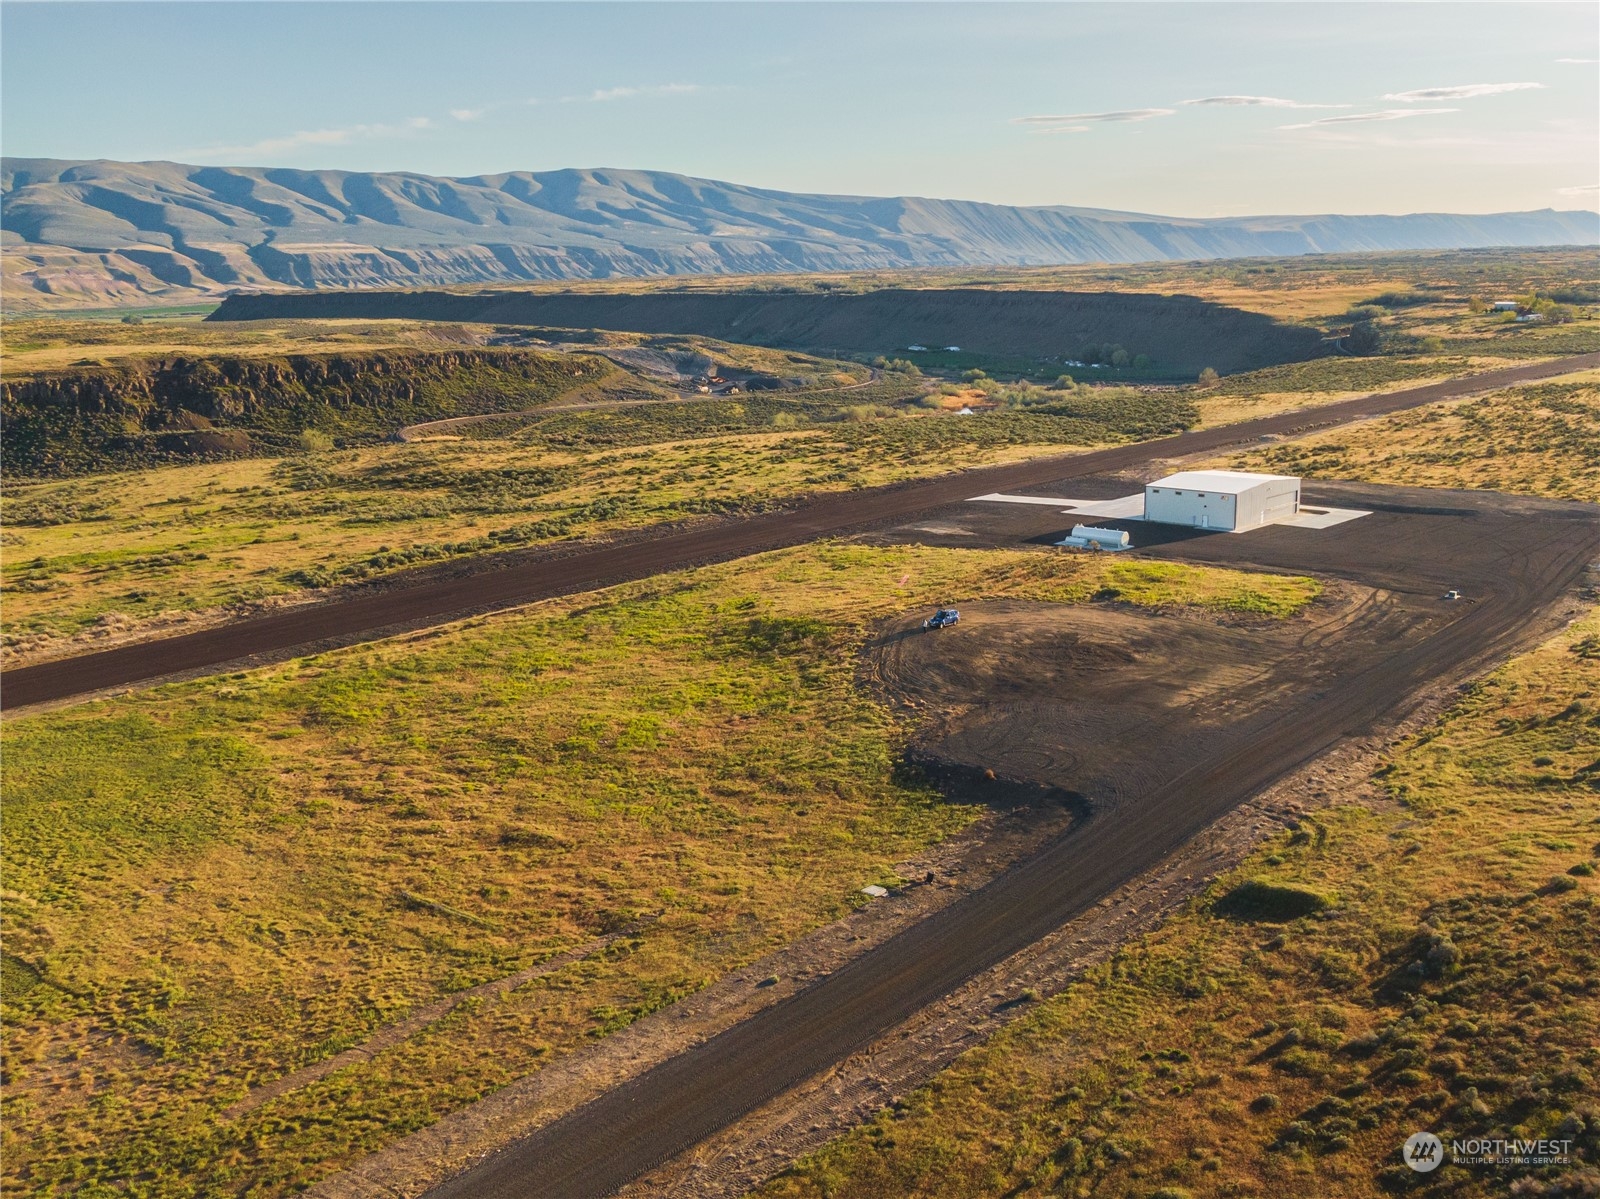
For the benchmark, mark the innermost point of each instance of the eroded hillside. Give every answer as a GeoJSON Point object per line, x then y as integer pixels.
{"type": "Point", "coordinates": [145, 411]}
{"type": "Point", "coordinates": [104, 233]}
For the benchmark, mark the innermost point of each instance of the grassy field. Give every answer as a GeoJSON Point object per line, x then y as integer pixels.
{"type": "Point", "coordinates": [1536, 439]}
{"type": "Point", "coordinates": [214, 883]}
{"type": "Point", "coordinates": [121, 551]}
{"type": "Point", "coordinates": [132, 547]}
{"type": "Point", "coordinates": [32, 345]}
{"type": "Point", "coordinates": [1429, 963]}
{"type": "Point", "coordinates": [204, 393]}
{"type": "Point", "coordinates": [1423, 963]}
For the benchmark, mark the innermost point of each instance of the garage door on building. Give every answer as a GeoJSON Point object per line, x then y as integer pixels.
{"type": "Point", "coordinates": [1227, 500]}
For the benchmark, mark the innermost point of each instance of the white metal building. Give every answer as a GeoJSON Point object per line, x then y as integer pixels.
{"type": "Point", "coordinates": [1230, 500]}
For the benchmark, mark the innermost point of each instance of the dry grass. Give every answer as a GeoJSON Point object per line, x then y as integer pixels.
{"type": "Point", "coordinates": [215, 883]}
{"type": "Point", "coordinates": [123, 551]}
{"type": "Point", "coordinates": [1450, 984]}
{"type": "Point", "coordinates": [141, 546]}
{"type": "Point", "coordinates": [1327, 381]}
{"type": "Point", "coordinates": [29, 346]}
{"type": "Point", "coordinates": [1536, 439]}
{"type": "Point", "coordinates": [34, 345]}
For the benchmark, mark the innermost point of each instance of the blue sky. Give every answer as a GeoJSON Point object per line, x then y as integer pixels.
{"type": "Point", "coordinates": [1201, 109]}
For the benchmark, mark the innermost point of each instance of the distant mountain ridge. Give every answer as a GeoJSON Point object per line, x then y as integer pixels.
{"type": "Point", "coordinates": [114, 232]}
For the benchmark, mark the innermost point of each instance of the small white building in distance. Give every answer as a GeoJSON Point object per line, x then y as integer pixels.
{"type": "Point", "coordinates": [1230, 500]}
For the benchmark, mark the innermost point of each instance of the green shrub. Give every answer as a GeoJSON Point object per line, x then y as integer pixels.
{"type": "Point", "coordinates": [1271, 903]}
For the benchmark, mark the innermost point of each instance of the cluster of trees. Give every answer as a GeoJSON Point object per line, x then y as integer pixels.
{"type": "Point", "coordinates": [1399, 299]}
{"type": "Point", "coordinates": [1109, 354]}
{"type": "Point", "coordinates": [1367, 336]}
{"type": "Point", "coordinates": [1026, 394]}
{"type": "Point", "coordinates": [1025, 391]}
{"type": "Point", "coordinates": [1546, 306]}
{"type": "Point", "coordinates": [899, 366]}
{"type": "Point", "coordinates": [1363, 338]}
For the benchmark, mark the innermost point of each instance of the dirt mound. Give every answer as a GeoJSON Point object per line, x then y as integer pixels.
{"type": "Point", "coordinates": [1180, 334]}
{"type": "Point", "coordinates": [184, 421]}
{"type": "Point", "coordinates": [208, 443]}
{"type": "Point", "coordinates": [676, 369]}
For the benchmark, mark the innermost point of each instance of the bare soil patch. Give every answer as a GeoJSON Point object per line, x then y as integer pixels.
{"type": "Point", "coordinates": [1080, 697]}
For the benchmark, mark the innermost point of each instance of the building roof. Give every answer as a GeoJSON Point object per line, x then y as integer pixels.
{"type": "Point", "coordinates": [1226, 481]}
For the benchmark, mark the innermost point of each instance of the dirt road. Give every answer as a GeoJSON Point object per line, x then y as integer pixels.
{"type": "Point", "coordinates": [450, 424]}
{"type": "Point", "coordinates": [1512, 558]}
{"type": "Point", "coordinates": [369, 614]}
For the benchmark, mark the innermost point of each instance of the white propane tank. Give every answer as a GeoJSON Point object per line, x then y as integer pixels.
{"type": "Point", "coordinates": [1111, 539]}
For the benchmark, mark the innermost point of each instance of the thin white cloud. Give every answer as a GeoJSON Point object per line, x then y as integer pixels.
{"type": "Point", "coordinates": [1579, 60]}
{"type": "Point", "coordinates": [1256, 102]}
{"type": "Point", "coordinates": [1583, 189]}
{"type": "Point", "coordinates": [1078, 122]}
{"type": "Point", "coordinates": [467, 114]}
{"type": "Point", "coordinates": [1385, 114]}
{"type": "Point", "coordinates": [271, 147]}
{"type": "Point", "coordinates": [602, 94]}
{"type": "Point", "coordinates": [1464, 91]}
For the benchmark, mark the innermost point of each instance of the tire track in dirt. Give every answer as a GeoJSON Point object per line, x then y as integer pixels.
{"type": "Point", "coordinates": [394, 1034]}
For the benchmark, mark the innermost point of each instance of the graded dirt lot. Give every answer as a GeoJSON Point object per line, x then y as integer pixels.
{"type": "Point", "coordinates": [1268, 705]}
{"type": "Point", "coordinates": [499, 584]}
{"type": "Point", "coordinates": [1079, 696]}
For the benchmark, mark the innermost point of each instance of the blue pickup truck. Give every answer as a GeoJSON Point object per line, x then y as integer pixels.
{"type": "Point", "coordinates": [943, 618]}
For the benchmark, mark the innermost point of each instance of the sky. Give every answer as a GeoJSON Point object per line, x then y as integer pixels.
{"type": "Point", "coordinates": [1187, 109]}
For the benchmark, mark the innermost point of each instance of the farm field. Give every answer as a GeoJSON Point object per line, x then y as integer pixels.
{"type": "Point", "coordinates": [213, 884]}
